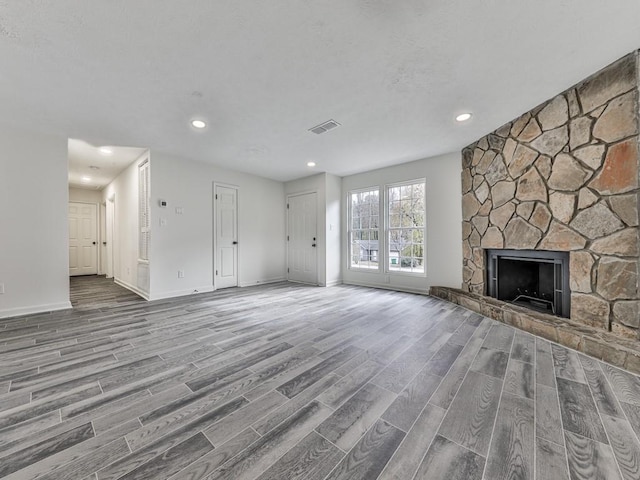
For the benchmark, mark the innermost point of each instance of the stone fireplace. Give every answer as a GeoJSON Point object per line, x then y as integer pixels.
{"type": "Point", "coordinates": [564, 178]}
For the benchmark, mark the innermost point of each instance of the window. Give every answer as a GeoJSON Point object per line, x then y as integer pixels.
{"type": "Point", "coordinates": [364, 225]}
{"type": "Point", "coordinates": [144, 221]}
{"type": "Point", "coordinates": [406, 227]}
{"type": "Point", "coordinates": [402, 247]}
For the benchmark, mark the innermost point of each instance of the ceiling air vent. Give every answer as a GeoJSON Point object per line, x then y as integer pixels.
{"type": "Point", "coordinates": [324, 127]}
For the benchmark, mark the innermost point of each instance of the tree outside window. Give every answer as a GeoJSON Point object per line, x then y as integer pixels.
{"type": "Point", "coordinates": [406, 227]}
{"type": "Point", "coordinates": [364, 224]}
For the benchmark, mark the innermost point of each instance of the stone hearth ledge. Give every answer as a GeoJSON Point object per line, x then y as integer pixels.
{"type": "Point", "coordinates": [591, 341]}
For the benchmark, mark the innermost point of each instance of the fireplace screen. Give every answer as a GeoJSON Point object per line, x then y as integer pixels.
{"type": "Point", "coordinates": [534, 279]}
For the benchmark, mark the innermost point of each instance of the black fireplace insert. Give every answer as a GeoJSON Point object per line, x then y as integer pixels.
{"type": "Point", "coordinates": [536, 279]}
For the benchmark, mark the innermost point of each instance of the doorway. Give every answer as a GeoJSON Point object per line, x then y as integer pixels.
{"type": "Point", "coordinates": [83, 239]}
{"type": "Point", "coordinates": [225, 201]}
{"type": "Point", "coordinates": [302, 252]}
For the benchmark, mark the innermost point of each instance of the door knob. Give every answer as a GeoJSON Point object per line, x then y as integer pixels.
{"type": "Point", "coordinates": [94, 243]}
{"type": "Point", "coordinates": [235, 243]}
{"type": "Point", "coordinates": [313, 244]}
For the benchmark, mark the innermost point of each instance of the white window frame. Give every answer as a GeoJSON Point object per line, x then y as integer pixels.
{"type": "Point", "coordinates": [379, 229]}
{"type": "Point", "coordinates": [387, 229]}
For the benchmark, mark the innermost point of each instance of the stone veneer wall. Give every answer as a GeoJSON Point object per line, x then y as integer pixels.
{"type": "Point", "coordinates": [564, 176]}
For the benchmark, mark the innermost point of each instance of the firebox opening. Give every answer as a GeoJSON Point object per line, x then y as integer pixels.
{"type": "Point", "coordinates": [538, 280]}
{"type": "Point", "coordinates": [529, 284]}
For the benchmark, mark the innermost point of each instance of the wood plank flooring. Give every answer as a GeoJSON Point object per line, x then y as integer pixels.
{"type": "Point", "coordinates": [286, 381]}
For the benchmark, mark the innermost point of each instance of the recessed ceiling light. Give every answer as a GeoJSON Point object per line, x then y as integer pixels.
{"type": "Point", "coordinates": [311, 164]}
{"type": "Point", "coordinates": [106, 151]}
{"type": "Point", "coordinates": [463, 117]}
{"type": "Point", "coordinates": [198, 124]}
{"type": "Point", "coordinates": [86, 179]}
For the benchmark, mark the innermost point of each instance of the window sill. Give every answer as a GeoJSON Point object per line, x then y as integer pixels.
{"type": "Point", "coordinates": [364, 269]}
{"type": "Point", "coordinates": [407, 274]}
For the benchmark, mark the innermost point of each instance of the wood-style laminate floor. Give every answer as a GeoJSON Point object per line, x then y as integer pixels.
{"type": "Point", "coordinates": [292, 382]}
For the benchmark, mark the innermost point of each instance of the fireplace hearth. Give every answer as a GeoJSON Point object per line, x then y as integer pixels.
{"type": "Point", "coordinates": [535, 279]}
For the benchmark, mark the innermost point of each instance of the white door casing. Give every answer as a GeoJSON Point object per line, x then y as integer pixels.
{"type": "Point", "coordinates": [103, 239]}
{"type": "Point", "coordinates": [110, 224]}
{"type": "Point", "coordinates": [226, 236]}
{"type": "Point", "coordinates": [83, 239]}
{"type": "Point", "coordinates": [302, 251]}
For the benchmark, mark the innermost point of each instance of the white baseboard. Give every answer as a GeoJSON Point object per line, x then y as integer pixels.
{"type": "Point", "coordinates": [386, 286]}
{"type": "Point", "coordinates": [181, 293]}
{"type": "Point", "coordinates": [262, 282]}
{"type": "Point", "coordinates": [333, 283]}
{"type": "Point", "coordinates": [133, 288]}
{"type": "Point", "coordinates": [31, 309]}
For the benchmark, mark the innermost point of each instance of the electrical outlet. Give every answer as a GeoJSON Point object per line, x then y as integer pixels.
{"type": "Point", "coordinates": [180, 273]}
{"type": "Point", "coordinates": [1, 288]}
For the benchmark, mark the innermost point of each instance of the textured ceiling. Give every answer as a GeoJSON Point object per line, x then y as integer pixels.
{"type": "Point", "coordinates": [394, 74]}
{"type": "Point", "coordinates": [85, 160]}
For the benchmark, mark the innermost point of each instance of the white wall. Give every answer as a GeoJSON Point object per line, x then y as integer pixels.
{"type": "Point", "coordinates": [85, 196]}
{"type": "Point", "coordinates": [186, 241]}
{"type": "Point", "coordinates": [333, 229]}
{"type": "Point", "coordinates": [128, 270]}
{"type": "Point", "coordinates": [444, 223]}
{"type": "Point", "coordinates": [34, 244]}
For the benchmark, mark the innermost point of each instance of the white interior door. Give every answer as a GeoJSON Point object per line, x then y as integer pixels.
{"type": "Point", "coordinates": [302, 254]}
{"type": "Point", "coordinates": [226, 234]}
{"type": "Point", "coordinates": [83, 239]}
